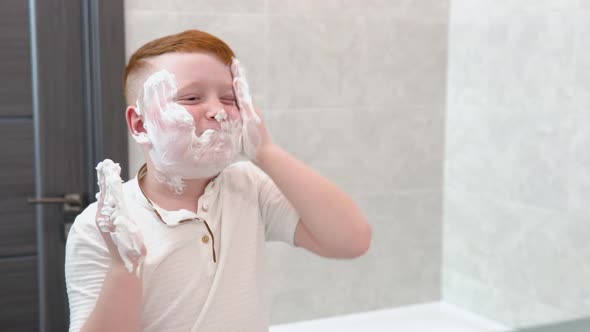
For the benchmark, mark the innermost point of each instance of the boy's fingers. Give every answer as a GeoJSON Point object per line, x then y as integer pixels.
{"type": "Point", "coordinates": [235, 68]}
{"type": "Point", "coordinates": [239, 94]}
{"type": "Point", "coordinates": [101, 195]}
{"type": "Point", "coordinates": [103, 221]}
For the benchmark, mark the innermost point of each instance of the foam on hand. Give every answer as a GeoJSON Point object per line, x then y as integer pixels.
{"type": "Point", "coordinates": [114, 216]}
{"type": "Point", "coordinates": [250, 139]}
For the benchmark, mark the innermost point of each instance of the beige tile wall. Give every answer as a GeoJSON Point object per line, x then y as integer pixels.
{"type": "Point", "coordinates": [517, 160]}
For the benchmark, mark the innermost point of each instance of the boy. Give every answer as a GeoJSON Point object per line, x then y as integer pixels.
{"type": "Point", "coordinates": [192, 254]}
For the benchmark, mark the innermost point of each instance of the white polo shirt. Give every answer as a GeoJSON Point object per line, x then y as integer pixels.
{"type": "Point", "coordinates": [186, 285]}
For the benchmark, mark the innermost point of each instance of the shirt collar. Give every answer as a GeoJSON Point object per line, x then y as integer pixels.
{"type": "Point", "coordinates": [171, 218]}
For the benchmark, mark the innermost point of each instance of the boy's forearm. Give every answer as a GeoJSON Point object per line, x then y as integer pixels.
{"type": "Point", "coordinates": [119, 305]}
{"type": "Point", "coordinates": [329, 213]}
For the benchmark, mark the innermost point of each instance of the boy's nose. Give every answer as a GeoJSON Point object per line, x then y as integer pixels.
{"type": "Point", "coordinates": [213, 107]}
{"type": "Point", "coordinates": [212, 111]}
{"type": "Point", "coordinates": [210, 114]}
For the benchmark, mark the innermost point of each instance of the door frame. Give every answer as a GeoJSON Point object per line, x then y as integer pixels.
{"type": "Point", "coordinates": [77, 63]}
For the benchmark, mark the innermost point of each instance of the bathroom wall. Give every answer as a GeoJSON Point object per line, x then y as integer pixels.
{"type": "Point", "coordinates": [356, 89]}
{"type": "Point", "coordinates": [517, 160]}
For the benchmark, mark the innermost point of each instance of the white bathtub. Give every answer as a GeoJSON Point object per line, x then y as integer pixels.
{"type": "Point", "coordinates": [435, 317]}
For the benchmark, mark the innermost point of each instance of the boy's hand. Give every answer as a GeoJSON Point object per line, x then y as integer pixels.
{"type": "Point", "coordinates": [121, 234]}
{"type": "Point", "coordinates": [254, 135]}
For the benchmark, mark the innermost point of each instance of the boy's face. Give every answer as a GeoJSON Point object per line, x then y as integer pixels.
{"type": "Point", "coordinates": [190, 124]}
{"type": "Point", "coordinates": [204, 86]}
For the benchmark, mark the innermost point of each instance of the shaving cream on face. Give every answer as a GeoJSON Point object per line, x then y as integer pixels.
{"type": "Point", "coordinates": [175, 149]}
{"type": "Point", "coordinates": [221, 115]}
{"type": "Point", "coordinates": [114, 217]}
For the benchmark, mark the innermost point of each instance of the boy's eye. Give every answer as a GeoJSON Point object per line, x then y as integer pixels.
{"type": "Point", "coordinates": [228, 100]}
{"type": "Point", "coordinates": [189, 99]}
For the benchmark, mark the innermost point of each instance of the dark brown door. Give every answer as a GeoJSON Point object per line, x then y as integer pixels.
{"type": "Point", "coordinates": [61, 110]}
{"type": "Point", "coordinates": [19, 310]}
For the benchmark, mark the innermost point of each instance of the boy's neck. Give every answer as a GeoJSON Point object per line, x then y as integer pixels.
{"type": "Point", "coordinates": [162, 195]}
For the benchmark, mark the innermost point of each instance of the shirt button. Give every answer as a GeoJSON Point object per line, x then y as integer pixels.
{"type": "Point", "coordinates": [205, 207]}
{"type": "Point", "coordinates": [205, 239]}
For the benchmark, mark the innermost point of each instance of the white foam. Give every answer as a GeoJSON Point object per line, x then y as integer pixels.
{"type": "Point", "coordinates": [251, 138]}
{"type": "Point", "coordinates": [114, 217]}
{"type": "Point", "coordinates": [221, 115]}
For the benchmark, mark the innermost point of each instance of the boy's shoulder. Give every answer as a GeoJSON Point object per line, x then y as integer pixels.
{"type": "Point", "coordinates": [88, 215]}
{"type": "Point", "coordinates": [84, 230]}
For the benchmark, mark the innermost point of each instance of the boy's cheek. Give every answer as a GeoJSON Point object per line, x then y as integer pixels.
{"type": "Point", "coordinates": [233, 113]}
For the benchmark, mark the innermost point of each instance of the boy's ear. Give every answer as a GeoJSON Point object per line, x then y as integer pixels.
{"type": "Point", "coordinates": [134, 121]}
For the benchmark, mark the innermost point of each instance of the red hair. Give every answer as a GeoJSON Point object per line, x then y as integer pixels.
{"type": "Point", "coordinates": [187, 41]}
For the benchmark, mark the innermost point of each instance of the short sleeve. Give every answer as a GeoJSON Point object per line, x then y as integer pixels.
{"type": "Point", "coordinates": [279, 216]}
{"type": "Point", "coordinates": [86, 264]}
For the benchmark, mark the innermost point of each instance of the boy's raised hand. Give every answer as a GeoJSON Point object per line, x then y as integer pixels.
{"type": "Point", "coordinates": [121, 234]}
{"type": "Point", "coordinates": [254, 135]}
